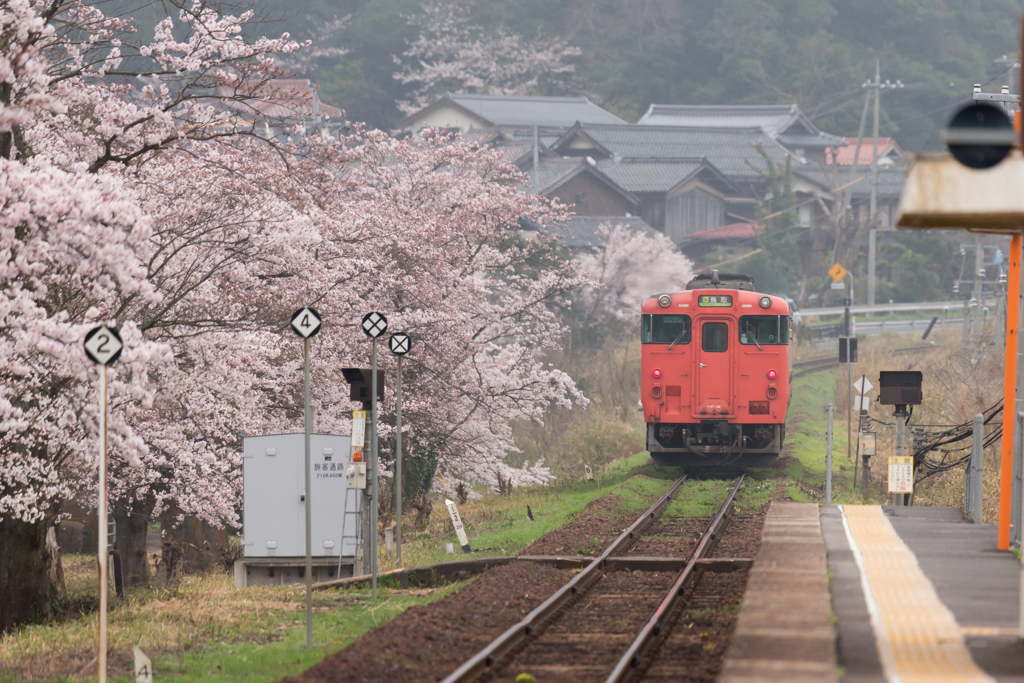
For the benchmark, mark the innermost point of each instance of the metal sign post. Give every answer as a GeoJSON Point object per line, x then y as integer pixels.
{"type": "Point", "coordinates": [828, 456]}
{"type": "Point", "coordinates": [374, 325]}
{"type": "Point", "coordinates": [103, 346]}
{"type": "Point", "coordinates": [306, 323]}
{"type": "Point", "coordinates": [400, 344]}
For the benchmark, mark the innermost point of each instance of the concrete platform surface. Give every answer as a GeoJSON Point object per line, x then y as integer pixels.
{"type": "Point", "coordinates": [785, 631]}
{"type": "Point", "coordinates": [921, 594]}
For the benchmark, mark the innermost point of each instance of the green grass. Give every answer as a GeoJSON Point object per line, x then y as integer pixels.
{"type": "Point", "coordinates": [206, 629]}
{"type": "Point", "coordinates": [806, 429]}
{"type": "Point", "coordinates": [497, 525]}
{"type": "Point", "coordinates": [703, 498]}
{"type": "Point", "coordinates": [281, 650]}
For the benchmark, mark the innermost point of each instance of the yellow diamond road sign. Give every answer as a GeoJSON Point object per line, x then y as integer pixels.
{"type": "Point", "coordinates": [837, 272]}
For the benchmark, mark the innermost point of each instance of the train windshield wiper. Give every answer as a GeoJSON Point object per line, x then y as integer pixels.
{"type": "Point", "coordinates": [751, 333]}
{"type": "Point", "coordinates": [677, 339]}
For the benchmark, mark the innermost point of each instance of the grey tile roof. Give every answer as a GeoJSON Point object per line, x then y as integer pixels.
{"type": "Point", "coordinates": [521, 110]}
{"type": "Point", "coordinates": [583, 231]}
{"type": "Point", "coordinates": [648, 176]}
{"type": "Point", "coordinates": [551, 172]}
{"type": "Point", "coordinates": [727, 149]}
{"type": "Point", "coordinates": [771, 118]}
{"type": "Point", "coordinates": [890, 180]}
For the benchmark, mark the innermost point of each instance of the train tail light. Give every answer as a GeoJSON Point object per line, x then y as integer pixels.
{"type": "Point", "coordinates": [759, 407]}
{"type": "Point", "coordinates": [656, 373]}
{"type": "Point", "coordinates": [772, 374]}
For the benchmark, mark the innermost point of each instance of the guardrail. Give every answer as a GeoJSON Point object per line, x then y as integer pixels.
{"type": "Point", "coordinates": [888, 308]}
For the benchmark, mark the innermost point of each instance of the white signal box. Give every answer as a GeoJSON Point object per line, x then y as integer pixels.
{"type": "Point", "coordinates": [274, 512]}
{"type": "Point", "coordinates": [355, 475]}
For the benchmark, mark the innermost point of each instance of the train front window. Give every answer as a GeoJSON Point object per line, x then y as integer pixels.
{"type": "Point", "coordinates": [714, 337]}
{"type": "Point", "coordinates": [764, 329]}
{"type": "Point", "coordinates": [664, 329]}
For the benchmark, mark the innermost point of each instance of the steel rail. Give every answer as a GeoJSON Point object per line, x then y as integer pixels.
{"type": "Point", "coordinates": [824, 363]}
{"type": "Point", "coordinates": [633, 657]}
{"type": "Point", "coordinates": [514, 636]}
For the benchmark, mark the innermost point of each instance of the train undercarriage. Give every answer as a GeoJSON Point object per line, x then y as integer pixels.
{"type": "Point", "coordinates": [714, 442]}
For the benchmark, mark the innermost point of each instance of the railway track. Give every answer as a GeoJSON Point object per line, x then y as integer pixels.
{"type": "Point", "coordinates": [606, 624]}
{"type": "Point", "coordinates": [810, 365]}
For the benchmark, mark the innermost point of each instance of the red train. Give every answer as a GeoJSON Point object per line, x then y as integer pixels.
{"type": "Point", "coordinates": [715, 366]}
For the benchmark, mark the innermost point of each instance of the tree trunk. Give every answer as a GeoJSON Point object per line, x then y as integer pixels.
{"type": "Point", "coordinates": [28, 571]}
{"type": "Point", "coordinates": [132, 527]}
{"type": "Point", "coordinates": [203, 546]}
{"type": "Point", "coordinates": [169, 569]}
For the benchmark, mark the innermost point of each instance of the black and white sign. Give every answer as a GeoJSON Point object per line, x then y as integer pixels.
{"type": "Point", "coordinates": [103, 345]}
{"type": "Point", "coordinates": [306, 322]}
{"type": "Point", "coordinates": [400, 343]}
{"type": "Point", "coordinates": [460, 530]}
{"type": "Point", "coordinates": [374, 324]}
{"type": "Point", "coordinates": [980, 135]}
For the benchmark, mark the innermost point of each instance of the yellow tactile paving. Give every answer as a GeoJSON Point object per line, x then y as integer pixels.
{"type": "Point", "coordinates": [918, 637]}
{"type": "Point", "coordinates": [989, 631]}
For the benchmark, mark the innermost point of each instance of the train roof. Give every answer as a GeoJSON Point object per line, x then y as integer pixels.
{"type": "Point", "coordinates": [716, 280]}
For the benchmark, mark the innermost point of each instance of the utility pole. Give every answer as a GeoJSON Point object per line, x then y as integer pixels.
{"type": "Point", "coordinates": [873, 211]}
{"type": "Point", "coordinates": [979, 273]}
{"type": "Point", "coordinates": [877, 85]}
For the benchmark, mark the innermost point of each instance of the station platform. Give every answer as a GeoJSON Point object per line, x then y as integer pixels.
{"type": "Point", "coordinates": [867, 593]}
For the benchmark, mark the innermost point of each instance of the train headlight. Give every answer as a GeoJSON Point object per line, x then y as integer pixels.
{"type": "Point", "coordinates": [656, 373]}
{"type": "Point", "coordinates": [772, 374]}
{"type": "Point", "coordinates": [765, 302]}
{"type": "Point", "coordinates": [664, 301]}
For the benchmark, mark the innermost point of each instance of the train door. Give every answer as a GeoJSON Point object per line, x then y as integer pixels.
{"type": "Point", "coordinates": [714, 369]}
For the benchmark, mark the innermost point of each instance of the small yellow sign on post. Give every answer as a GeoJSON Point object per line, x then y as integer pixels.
{"type": "Point", "coordinates": [901, 474]}
{"type": "Point", "coordinates": [837, 272]}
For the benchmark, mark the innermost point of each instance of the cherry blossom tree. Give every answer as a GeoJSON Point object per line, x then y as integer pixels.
{"type": "Point", "coordinates": [137, 191]}
{"type": "Point", "coordinates": [70, 233]}
{"type": "Point", "coordinates": [451, 54]}
{"type": "Point", "coordinates": [632, 266]}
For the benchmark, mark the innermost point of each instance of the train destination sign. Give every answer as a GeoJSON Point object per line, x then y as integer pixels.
{"type": "Point", "coordinates": [714, 300]}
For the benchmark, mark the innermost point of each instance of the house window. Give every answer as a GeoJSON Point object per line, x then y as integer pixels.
{"type": "Point", "coordinates": [804, 212]}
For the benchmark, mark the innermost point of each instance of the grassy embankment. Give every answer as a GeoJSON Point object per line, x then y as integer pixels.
{"type": "Point", "coordinates": [208, 630]}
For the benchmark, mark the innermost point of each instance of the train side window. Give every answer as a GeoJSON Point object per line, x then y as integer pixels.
{"type": "Point", "coordinates": [664, 329]}
{"type": "Point", "coordinates": [714, 337]}
{"type": "Point", "coordinates": [764, 329]}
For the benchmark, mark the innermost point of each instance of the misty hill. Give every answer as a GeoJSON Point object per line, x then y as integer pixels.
{"type": "Point", "coordinates": [637, 52]}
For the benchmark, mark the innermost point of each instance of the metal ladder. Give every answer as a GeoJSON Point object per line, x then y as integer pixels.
{"type": "Point", "coordinates": [357, 537]}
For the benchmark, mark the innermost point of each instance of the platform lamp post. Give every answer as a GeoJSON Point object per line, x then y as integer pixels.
{"type": "Point", "coordinates": [103, 346]}
{"type": "Point", "coordinates": [374, 325]}
{"type": "Point", "coordinates": [942, 193]}
{"type": "Point", "coordinates": [306, 323]}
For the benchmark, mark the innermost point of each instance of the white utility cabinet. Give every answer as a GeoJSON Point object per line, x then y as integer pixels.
{"type": "Point", "coordinates": [274, 506]}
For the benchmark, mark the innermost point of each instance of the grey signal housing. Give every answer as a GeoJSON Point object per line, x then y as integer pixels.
{"type": "Point", "coordinates": [900, 387]}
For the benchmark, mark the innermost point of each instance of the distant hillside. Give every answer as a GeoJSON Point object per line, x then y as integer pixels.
{"type": "Point", "coordinates": [814, 52]}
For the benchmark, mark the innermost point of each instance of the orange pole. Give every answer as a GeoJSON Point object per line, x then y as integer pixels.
{"type": "Point", "coordinates": [1009, 397]}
